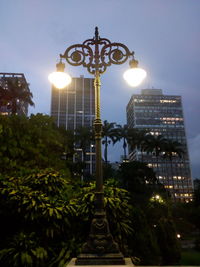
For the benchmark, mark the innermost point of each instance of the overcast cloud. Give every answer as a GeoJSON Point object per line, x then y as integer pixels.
{"type": "Point", "coordinates": [165, 36]}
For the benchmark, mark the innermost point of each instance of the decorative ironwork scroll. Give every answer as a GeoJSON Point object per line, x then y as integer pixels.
{"type": "Point", "coordinates": [97, 54]}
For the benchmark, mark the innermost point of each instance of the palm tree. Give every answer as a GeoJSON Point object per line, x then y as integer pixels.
{"type": "Point", "coordinates": [129, 136]}
{"type": "Point", "coordinates": [137, 139]}
{"type": "Point", "coordinates": [108, 134]}
{"type": "Point", "coordinates": [83, 139]}
{"type": "Point", "coordinates": [122, 132]}
{"type": "Point", "coordinates": [173, 149]}
{"type": "Point", "coordinates": [155, 144]}
{"type": "Point", "coordinates": [15, 93]}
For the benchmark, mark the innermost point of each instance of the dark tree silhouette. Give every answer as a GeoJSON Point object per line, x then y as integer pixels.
{"type": "Point", "coordinates": [15, 93]}
{"type": "Point", "coordinates": [108, 134]}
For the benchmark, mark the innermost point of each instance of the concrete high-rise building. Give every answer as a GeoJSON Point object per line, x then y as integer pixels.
{"type": "Point", "coordinates": [161, 114]}
{"type": "Point", "coordinates": [22, 107]}
{"type": "Point", "coordinates": [74, 107]}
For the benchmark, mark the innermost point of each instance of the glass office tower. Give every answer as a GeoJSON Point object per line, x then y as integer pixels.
{"type": "Point", "coordinates": [161, 114]}
{"type": "Point", "coordinates": [74, 107]}
{"type": "Point", "coordinates": [22, 107]}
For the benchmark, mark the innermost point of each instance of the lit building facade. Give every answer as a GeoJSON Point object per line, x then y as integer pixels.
{"type": "Point", "coordinates": [161, 114]}
{"type": "Point", "coordinates": [74, 107]}
{"type": "Point", "coordinates": [22, 107]}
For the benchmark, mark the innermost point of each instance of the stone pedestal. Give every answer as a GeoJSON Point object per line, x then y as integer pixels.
{"type": "Point", "coordinates": [128, 263]}
{"type": "Point", "coordinates": [100, 247]}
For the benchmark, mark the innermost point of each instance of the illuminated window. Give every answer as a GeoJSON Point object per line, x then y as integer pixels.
{"type": "Point", "coordinates": [167, 101]}
{"type": "Point", "coordinates": [139, 100]}
{"type": "Point", "coordinates": [168, 186]}
{"type": "Point", "coordinates": [155, 133]}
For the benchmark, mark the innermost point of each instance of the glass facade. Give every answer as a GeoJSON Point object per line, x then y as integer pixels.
{"type": "Point", "coordinates": [162, 115]}
{"type": "Point", "coordinates": [74, 107]}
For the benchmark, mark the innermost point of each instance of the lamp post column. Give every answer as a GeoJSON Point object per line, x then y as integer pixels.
{"type": "Point", "coordinates": [100, 247]}
{"type": "Point", "coordinates": [98, 133]}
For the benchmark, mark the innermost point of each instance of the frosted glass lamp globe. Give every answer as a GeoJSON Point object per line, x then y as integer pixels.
{"type": "Point", "coordinates": [134, 76]}
{"type": "Point", "coordinates": [59, 79]}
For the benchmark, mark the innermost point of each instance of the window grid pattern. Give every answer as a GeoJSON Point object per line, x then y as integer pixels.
{"type": "Point", "coordinates": [74, 107]}
{"type": "Point", "coordinates": [162, 114]}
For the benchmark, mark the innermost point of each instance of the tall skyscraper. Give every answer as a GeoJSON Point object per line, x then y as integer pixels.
{"type": "Point", "coordinates": [161, 114]}
{"type": "Point", "coordinates": [74, 107]}
{"type": "Point", "coordinates": [5, 78]}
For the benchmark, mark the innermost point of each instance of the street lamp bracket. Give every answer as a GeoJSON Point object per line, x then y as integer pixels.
{"type": "Point", "coordinates": [97, 54]}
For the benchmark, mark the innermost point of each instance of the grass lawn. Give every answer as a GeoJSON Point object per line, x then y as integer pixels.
{"type": "Point", "coordinates": [190, 257]}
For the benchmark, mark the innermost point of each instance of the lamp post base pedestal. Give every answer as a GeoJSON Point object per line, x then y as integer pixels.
{"type": "Point", "coordinates": [106, 259]}
{"type": "Point", "coordinates": [100, 247]}
{"type": "Point", "coordinates": [73, 262]}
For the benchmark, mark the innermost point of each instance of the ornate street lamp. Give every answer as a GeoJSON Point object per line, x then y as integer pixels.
{"type": "Point", "coordinates": [96, 55]}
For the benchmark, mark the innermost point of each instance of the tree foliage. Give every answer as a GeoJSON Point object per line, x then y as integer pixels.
{"type": "Point", "coordinates": [46, 216]}
{"type": "Point", "coordinates": [33, 142]}
{"type": "Point", "coordinates": [122, 133]}
{"type": "Point", "coordinates": [45, 220]}
{"type": "Point", "coordinates": [197, 192]}
{"type": "Point", "coordinates": [150, 213]}
{"type": "Point", "coordinates": [35, 214]}
{"type": "Point", "coordinates": [140, 180]}
{"type": "Point", "coordinates": [84, 137]}
{"type": "Point", "coordinates": [108, 134]}
{"type": "Point", "coordinates": [187, 218]}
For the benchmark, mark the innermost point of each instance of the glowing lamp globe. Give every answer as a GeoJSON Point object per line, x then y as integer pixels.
{"type": "Point", "coordinates": [134, 76]}
{"type": "Point", "coordinates": [60, 79]}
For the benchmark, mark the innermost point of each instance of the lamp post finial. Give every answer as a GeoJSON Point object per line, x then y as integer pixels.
{"type": "Point", "coordinates": [96, 33]}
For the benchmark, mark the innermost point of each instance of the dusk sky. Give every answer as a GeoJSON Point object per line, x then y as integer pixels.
{"type": "Point", "coordinates": [165, 36]}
